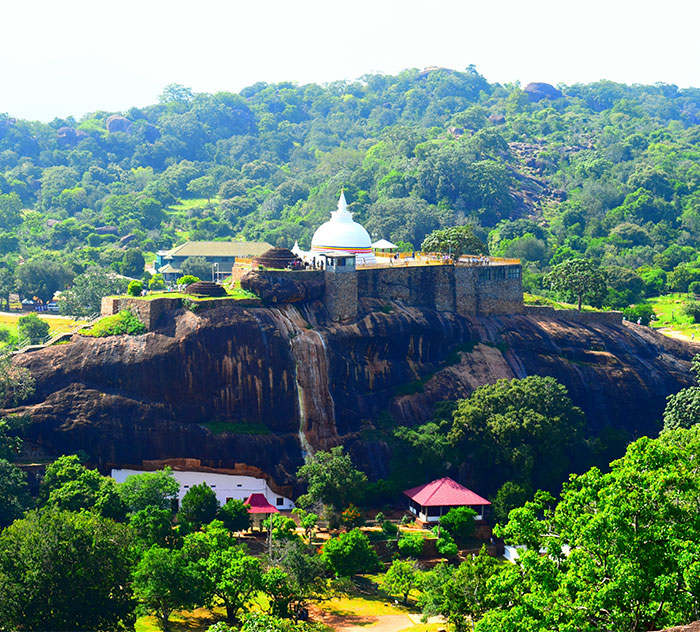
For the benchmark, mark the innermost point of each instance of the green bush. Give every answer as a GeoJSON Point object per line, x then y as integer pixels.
{"type": "Point", "coordinates": [459, 522]}
{"type": "Point", "coordinates": [446, 545]}
{"type": "Point", "coordinates": [125, 322]}
{"type": "Point", "coordinates": [411, 545]}
{"type": "Point", "coordinates": [135, 288]}
{"type": "Point", "coordinates": [642, 311]}
{"type": "Point", "coordinates": [350, 554]}
{"type": "Point", "coordinates": [692, 309]}
{"type": "Point", "coordinates": [694, 287]}
{"type": "Point", "coordinates": [188, 279]}
{"type": "Point", "coordinates": [33, 328]}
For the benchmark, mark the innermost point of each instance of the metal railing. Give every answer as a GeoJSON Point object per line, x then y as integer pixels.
{"type": "Point", "coordinates": [55, 335]}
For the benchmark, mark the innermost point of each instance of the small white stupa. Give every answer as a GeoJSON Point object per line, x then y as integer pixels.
{"type": "Point", "coordinates": [343, 235]}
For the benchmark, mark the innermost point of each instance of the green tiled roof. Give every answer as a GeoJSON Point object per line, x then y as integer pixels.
{"type": "Point", "coordinates": [168, 269]}
{"type": "Point", "coordinates": [221, 249]}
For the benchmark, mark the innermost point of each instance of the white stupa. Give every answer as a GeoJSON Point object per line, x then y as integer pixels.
{"type": "Point", "coordinates": [343, 235]}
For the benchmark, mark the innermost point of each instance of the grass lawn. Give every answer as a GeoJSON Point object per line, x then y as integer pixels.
{"type": "Point", "coordinates": [57, 324]}
{"type": "Point", "coordinates": [669, 314]}
{"type": "Point", "coordinates": [534, 299]}
{"type": "Point", "coordinates": [183, 621]}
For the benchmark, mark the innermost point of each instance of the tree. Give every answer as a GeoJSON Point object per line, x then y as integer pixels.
{"type": "Point", "coordinates": [14, 493]}
{"type": "Point", "coordinates": [307, 521]}
{"type": "Point", "coordinates": [134, 288]}
{"type": "Point", "coordinates": [331, 479]}
{"type": "Point", "coordinates": [349, 554]}
{"type": "Point", "coordinates": [303, 577]}
{"type": "Point", "coordinates": [228, 572]}
{"type": "Point", "coordinates": [33, 329]}
{"type": "Point", "coordinates": [411, 544]}
{"type": "Point", "coordinates": [133, 263]}
{"type": "Point", "coordinates": [234, 514]}
{"type": "Point", "coordinates": [164, 582]}
{"type": "Point", "coordinates": [460, 595]}
{"type": "Point", "coordinates": [198, 507]}
{"type": "Point", "coordinates": [61, 570]}
{"type": "Point", "coordinates": [156, 282]}
{"type": "Point", "coordinates": [42, 278]}
{"type": "Point", "coordinates": [203, 187]}
{"type": "Point", "coordinates": [150, 489]}
{"type": "Point", "coordinates": [631, 565]}
{"type": "Point", "coordinates": [400, 579]}
{"type": "Point", "coordinates": [196, 266]}
{"type": "Point", "coordinates": [7, 285]}
{"type": "Point", "coordinates": [11, 430]}
{"type": "Point", "coordinates": [521, 430]}
{"type": "Point", "coordinates": [69, 485]}
{"type": "Point", "coordinates": [85, 295]}
{"type": "Point", "coordinates": [579, 277]}
{"type": "Point", "coordinates": [683, 408]}
{"type": "Point", "coordinates": [153, 526]}
{"type": "Point", "coordinates": [459, 522]}
{"type": "Point", "coordinates": [16, 383]}
{"type": "Point", "coordinates": [454, 241]}
{"type": "Point", "coordinates": [187, 279]}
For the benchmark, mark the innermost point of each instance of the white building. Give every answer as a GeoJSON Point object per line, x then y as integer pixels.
{"type": "Point", "coordinates": [340, 235]}
{"type": "Point", "coordinates": [225, 486]}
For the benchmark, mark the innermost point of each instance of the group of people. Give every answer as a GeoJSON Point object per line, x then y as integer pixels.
{"type": "Point", "coordinates": [298, 264]}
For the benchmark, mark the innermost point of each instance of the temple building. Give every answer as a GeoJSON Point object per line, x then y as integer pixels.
{"type": "Point", "coordinates": [432, 500]}
{"type": "Point", "coordinates": [340, 235]}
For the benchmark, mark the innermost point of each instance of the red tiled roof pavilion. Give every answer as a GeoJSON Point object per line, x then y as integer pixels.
{"type": "Point", "coordinates": [444, 492]}
{"type": "Point", "coordinates": [259, 505]}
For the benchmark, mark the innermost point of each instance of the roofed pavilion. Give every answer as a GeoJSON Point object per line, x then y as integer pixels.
{"type": "Point", "coordinates": [431, 500]}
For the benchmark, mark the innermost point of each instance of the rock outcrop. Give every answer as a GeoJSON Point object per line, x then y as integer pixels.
{"type": "Point", "coordinates": [262, 385]}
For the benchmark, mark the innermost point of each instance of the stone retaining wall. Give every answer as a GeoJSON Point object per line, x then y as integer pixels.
{"type": "Point", "coordinates": [573, 315]}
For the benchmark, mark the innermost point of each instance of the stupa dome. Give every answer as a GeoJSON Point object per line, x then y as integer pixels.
{"type": "Point", "coordinates": [343, 234]}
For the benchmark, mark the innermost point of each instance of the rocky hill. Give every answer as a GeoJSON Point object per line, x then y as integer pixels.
{"type": "Point", "coordinates": [231, 384]}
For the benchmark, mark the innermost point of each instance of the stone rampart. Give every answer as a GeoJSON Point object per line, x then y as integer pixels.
{"type": "Point", "coordinates": [573, 315]}
{"type": "Point", "coordinates": [149, 311]}
{"type": "Point", "coordinates": [430, 286]}
{"type": "Point", "coordinates": [341, 294]}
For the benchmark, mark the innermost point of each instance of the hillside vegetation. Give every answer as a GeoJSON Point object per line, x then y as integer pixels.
{"type": "Point", "coordinates": [605, 170]}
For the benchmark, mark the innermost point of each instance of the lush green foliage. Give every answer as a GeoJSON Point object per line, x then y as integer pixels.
{"type": "Point", "coordinates": [459, 522]}
{"type": "Point", "coordinates": [411, 544]}
{"type": "Point", "coordinates": [632, 533]}
{"type": "Point", "coordinates": [683, 408]}
{"type": "Point", "coordinates": [149, 489]}
{"type": "Point", "coordinates": [400, 579]}
{"type": "Point", "coordinates": [234, 514]}
{"type": "Point", "coordinates": [125, 322]}
{"type": "Point", "coordinates": [33, 329]}
{"type": "Point", "coordinates": [331, 479]}
{"type": "Point", "coordinates": [607, 172]}
{"type": "Point", "coordinates": [62, 570]}
{"type": "Point", "coordinates": [578, 277]}
{"type": "Point", "coordinates": [199, 506]}
{"type": "Point", "coordinates": [84, 297]}
{"type": "Point", "coordinates": [350, 554]}
{"type": "Point", "coordinates": [454, 241]}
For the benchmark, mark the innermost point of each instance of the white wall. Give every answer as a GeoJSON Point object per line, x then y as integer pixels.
{"type": "Point", "coordinates": [225, 486]}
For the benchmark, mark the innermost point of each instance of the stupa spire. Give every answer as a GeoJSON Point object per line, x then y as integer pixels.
{"type": "Point", "coordinates": [342, 204]}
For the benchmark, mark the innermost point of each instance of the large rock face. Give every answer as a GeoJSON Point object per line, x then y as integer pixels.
{"type": "Point", "coordinates": [256, 372]}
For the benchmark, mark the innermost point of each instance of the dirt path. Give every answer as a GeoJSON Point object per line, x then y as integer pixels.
{"type": "Point", "coordinates": [667, 331]}
{"type": "Point", "coordinates": [379, 623]}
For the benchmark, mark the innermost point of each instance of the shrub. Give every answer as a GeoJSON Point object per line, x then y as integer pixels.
{"type": "Point", "coordinates": [135, 288]}
{"type": "Point", "coordinates": [411, 545]}
{"type": "Point", "coordinates": [642, 311]}
{"type": "Point", "coordinates": [352, 517]}
{"type": "Point", "coordinates": [694, 287]}
{"type": "Point", "coordinates": [156, 282]}
{"type": "Point", "coordinates": [389, 528]}
{"type": "Point", "coordinates": [188, 279]}
{"type": "Point", "coordinates": [125, 322]}
{"type": "Point", "coordinates": [459, 521]}
{"type": "Point", "coordinates": [692, 309]}
{"type": "Point", "coordinates": [32, 327]}
{"type": "Point", "coordinates": [446, 545]}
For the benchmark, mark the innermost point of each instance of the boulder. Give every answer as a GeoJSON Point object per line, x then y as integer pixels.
{"type": "Point", "coordinates": [285, 287]}
{"type": "Point", "coordinates": [117, 123]}
{"type": "Point", "coordinates": [537, 91]}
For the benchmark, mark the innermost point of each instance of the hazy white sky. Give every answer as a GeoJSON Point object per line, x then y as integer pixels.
{"type": "Point", "coordinates": [63, 57]}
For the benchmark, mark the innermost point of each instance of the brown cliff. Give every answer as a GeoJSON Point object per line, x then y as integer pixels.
{"type": "Point", "coordinates": [253, 371]}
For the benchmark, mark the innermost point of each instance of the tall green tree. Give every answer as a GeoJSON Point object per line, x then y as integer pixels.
{"type": "Point", "coordinates": [683, 408]}
{"type": "Point", "coordinates": [631, 562]}
{"type": "Point", "coordinates": [454, 241]}
{"type": "Point", "coordinates": [150, 489]}
{"type": "Point", "coordinates": [577, 277]}
{"type": "Point", "coordinates": [331, 479]}
{"type": "Point", "coordinates": [199, 506]}
{"type": "Point", "coordinates": [84, 297]}
{"type": "Point", "coordinates": [164, 582]}
{"type": "Point", "coordinates": [61, 570]}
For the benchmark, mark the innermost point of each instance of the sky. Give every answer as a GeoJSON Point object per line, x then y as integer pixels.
{"type": "Point", "coordinates": [72, 57]}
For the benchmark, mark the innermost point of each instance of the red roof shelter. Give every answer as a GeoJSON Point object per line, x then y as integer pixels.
{"type": "Point", "coordinates": [259, 505]}
{"type": "Point", "coordinates": [432, 500]}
